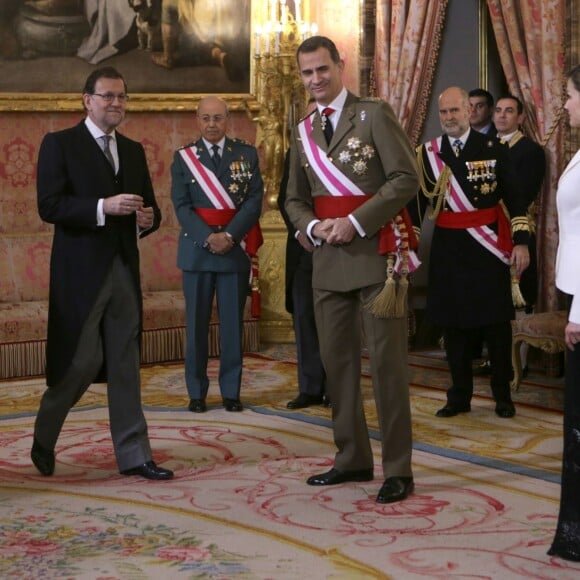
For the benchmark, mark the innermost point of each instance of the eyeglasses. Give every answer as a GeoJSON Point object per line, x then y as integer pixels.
{"type": "Point", "coordinates": [214, 118]}
{"type": "Point", "coordinates": [110, 97]}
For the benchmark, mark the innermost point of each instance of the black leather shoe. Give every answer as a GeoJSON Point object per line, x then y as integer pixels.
{"type": "Point", "coordinates": [149, 470]}
{"type": "Point", "coordinates": [334, 477]}
{"type": "Point", "coordinates": [303, 400]}
{"type": "Point", "coordinates": [483, 369]}
{"type": "Point", "coordinates": [395, 489]}
{"type": "Point", "coordinates": [197, 406]}
{"type": "Point", "coordinates": [42, 458]}
{"type": "Point", "coordinates": [233, 405]}
{"type": "Point", "coordinates": [505, 409]}
{"type": "Point", "coordinates": [451, 410]}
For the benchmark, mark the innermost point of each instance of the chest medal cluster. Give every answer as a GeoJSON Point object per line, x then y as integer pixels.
{"type": "Point", "coordinates": [357, 154]}
{"type": "Point", "coordinates": [482, 175]}
{"type": "Point", "coordinates": [240, 175]}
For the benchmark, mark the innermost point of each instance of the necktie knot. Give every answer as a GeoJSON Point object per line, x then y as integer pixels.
{"type": "Point", "coordinates": [216, 155]}
{"type": "Point", "coordinates": [325, 123]}
{"type": "Point", "coordinates": [457, 147]}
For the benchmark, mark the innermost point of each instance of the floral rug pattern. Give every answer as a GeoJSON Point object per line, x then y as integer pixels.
{"type": "Point", "coordinates": [485, 502]}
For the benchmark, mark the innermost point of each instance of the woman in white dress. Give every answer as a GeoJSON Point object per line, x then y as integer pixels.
{"type": "Point", "coordinates": [566, 542]}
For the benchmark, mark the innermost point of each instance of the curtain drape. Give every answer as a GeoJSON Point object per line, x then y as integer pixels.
{"type": "Point", "coordinates": [407, 41]}
{"type": "Point", "coordinates": [530, 35]}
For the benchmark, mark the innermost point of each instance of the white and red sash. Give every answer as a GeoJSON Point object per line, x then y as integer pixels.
{"type": "Point", "coordinates": [338, 184]}
{"type": "Point", "coordinates": [459, 202]}
{"type": "Point", "coordinates": [210, 184]}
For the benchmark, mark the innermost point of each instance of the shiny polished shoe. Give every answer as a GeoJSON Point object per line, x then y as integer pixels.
{"type": "Point", "coordinates": [149, 470]}
{"type": "Point", "coordinates": [483, 369]}
{"type": "Point", "coordinates": [197, 406]}
{"type": "Point", "coordinates": [303, 400]}
{"type": "Point", "coordinates": [395, 489]}
{"type": "Point", "coordinates": [505, 409]}
{"type": "Point", "coordinates": [334, 477]}
{"type": "Point", "coordinates": [42, 458]}
{"type": "Point", "coordinates": [233, 405]}
{"type": "Point", "coordinates": [451, 410]}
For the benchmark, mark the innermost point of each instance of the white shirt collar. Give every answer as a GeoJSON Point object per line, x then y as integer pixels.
{"type": "Point", "coordinates": [96, 132]}
{"type": "Point", "coordinates": [221, 144]}
{"type": "Point", "coordinates": [337, 104]}
{"type": "Point", "coordinates": [508, 136]}
{"type": "Point", "coordinates": [463, 138]}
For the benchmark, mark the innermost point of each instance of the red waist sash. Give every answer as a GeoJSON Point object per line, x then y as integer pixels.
{"type": "Point", "coordinates": [329, 206]}
{"type": "Point", "coordinates": [481, 217]}
{"type": "Point", "coordinates": [222, 217]}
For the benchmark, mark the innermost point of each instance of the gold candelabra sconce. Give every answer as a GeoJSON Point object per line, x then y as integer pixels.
{"type": "Point", "coordinates": [278, 88]}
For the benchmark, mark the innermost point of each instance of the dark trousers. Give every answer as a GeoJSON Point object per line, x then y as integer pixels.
{"type": "Point", "coordinates": [459, 346]}
{"type": "Point", "coordinates": [311, 376]}
{"type": "Point", "coordinates": [231, 291]}
{"type": "Point", "coordinates": [112, 329]}
{"type": "Point", "coordinates": [567, 538]}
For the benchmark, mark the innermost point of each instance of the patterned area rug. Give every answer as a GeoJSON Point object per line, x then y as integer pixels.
{"type": "Point", "coordinates": [485, 503]}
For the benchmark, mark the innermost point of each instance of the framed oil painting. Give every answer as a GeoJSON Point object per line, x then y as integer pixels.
{"type": "Point", "coordinates": [167, 50]}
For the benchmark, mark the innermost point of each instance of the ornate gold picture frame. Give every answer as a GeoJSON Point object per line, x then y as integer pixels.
{"type": "Point", "coordinates": [48, 49]}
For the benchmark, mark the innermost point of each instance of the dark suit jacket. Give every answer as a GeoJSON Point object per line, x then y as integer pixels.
{"type": "Point", "coordinates": [529, 162]}
{"type": "Point", "coordinates": [468, 285]}
{"type": "Point", "coordinates": [296, 255]}
{"type": "Point", "coordinates": [245, 188]}
{"type": "Point", "coordinates": [73, 174]}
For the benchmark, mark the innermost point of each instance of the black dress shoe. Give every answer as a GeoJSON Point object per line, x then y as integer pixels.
{"type": "Point", "coordinates": [233, 405]}
{"type": "Point", "coordinates": [149, 470]}
{"type": "Point", "coordinates": [334, 477]}
{"type": "Point", "coordinates": [483, 369]}
{"type": "Point", "coordinates": [395, 489]}
{"type": "Point", "coordinates": [505, 409]}
{"type": "Point", "coordinates": [451, 410]}
{"type": "Point", "coordinates": [303, 400]}
{"type": "Point", "coordinates": [42, 458]}
{"type": "Point", "coordinates": [197, 406]}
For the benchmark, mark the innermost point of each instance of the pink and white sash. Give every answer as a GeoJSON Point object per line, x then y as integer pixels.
{"type": "Point", "coordinates": [459, 202]}
{"type": "Point", "coordinates": [338, 184]}
{"type": "Point", "coordinates": [210, 184]}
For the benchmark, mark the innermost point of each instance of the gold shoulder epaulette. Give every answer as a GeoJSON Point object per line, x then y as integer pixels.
{"type": "Point", "coordinates": [187, 146]}
{"type": "Point", "coordinates": [370, 100]}
{"type": "Point", "coordinates": [241, 141]}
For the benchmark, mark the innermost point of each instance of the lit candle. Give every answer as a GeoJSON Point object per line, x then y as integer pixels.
{"type": "Point", "coordinates": [282, 11]}
{"type": "Point", "coordinates": [273, 11]}
{"type": "Point", "coordinates": [277, 42]}
{"type": "Point", "coordinates": [257, 41]}
{"type": "Point", "coordinates": [297, 4]}
{"type": "Point", "coordinates": [267, 31]}
{"type": "Point", "coordinates": [303, 30]}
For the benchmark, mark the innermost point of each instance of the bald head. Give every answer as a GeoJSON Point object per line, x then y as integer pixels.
{"type": "Point", "coordinates": [212, 118]}
{"type": "Point", "coordinates": [454, 111]}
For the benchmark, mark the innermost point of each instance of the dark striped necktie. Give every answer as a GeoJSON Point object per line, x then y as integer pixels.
{"type": "Point", "coordinates": [216, 158]}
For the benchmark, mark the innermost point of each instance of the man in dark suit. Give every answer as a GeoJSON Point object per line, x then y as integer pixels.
{"type": "Point", "coordinates": [481, 113]}
{"type": "Point", "coordinates": [351, 171]}
{"type": "Point", "coordinates": [300, 303]}
{"type": "Point", "coordinates": [529, 162]}
{"type": "Point", "coordinates": [94, 186]}
{"type": "Point", "coordinates": [217, 194]}
{"type": "Point", "coordinates": [465, 175]}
